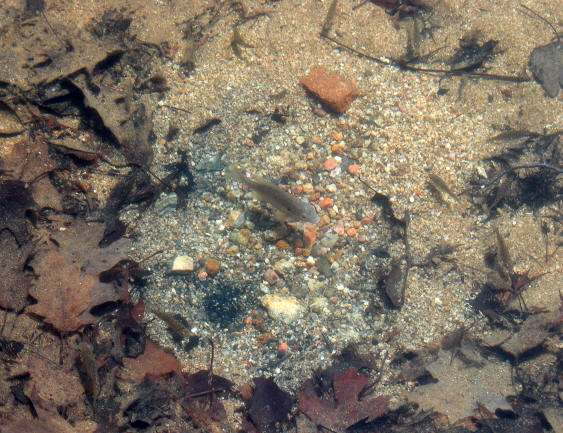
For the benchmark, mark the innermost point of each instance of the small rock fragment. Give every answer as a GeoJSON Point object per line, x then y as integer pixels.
{"type": "Point", "coordinates": [326, 203]}
{"type": "Point", "coordinates": [334, 91]}
{"type": "Point", "coordinates": [330, 164]}
{"type": "Point", "coordinates": [183, 265]}
{"type": "Point", "coordinates": [212, 266]}
{"type": "Point", "coordinates": [284, 308]}
{"type": "Point", "coordinates": [271, 277]}
{"type": "Point", "coordinates": [309, 236]}
{"type": "Point", "coordinates": [353, 168]}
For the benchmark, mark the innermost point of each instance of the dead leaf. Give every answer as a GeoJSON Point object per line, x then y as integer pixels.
{"type": "Point", "coordinates": [532, 333]}
{"type": "Point", "coordinates": [344, 410]}
{"type": "Point", "coordinates": [546, 64]}
{"type": "Point", "coordinates": [52, 385]}
{"type": "Point", "coordinates": [51, 424]}
{"type": "Point", "coordinates": [80, 242]}
{"type": "Point", "coordinates": [154, 361]}
{"type": "Point", "coordinates": [460, 388]}
{"type": "Point", "coordinates": [128, 121]}
{"type": "Point", "coordinates": [14, 284]}
{"type": "Point", "coordinates": [64, 293]}
{"type": "Point", "coordinates": [269, 405]}
{"type": "Point", "coordinates": [25, 159]}
{"type": "Point", "coordinates": [15, 202]}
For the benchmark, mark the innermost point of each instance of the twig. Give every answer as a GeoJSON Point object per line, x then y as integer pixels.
{"type": "Point", "coordinates": [443, 72]}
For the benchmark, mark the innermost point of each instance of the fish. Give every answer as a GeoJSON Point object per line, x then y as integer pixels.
{"type": "Point", "coordinates": [294, 208]}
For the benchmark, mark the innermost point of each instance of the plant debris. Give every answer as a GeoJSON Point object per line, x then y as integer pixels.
{"type": "Point", "coordinates": [344, 409]}
{"type": "Point", "coordinates": [460, 387]}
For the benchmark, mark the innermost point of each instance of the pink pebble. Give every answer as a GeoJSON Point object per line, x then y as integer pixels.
{"type": "Point", "coordinates": [330, 164]}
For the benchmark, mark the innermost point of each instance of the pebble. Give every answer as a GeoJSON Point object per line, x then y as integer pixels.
{"type": "Point", "coordinates": [326, 203]}
{"type": "Point", "coordinates": [240, 237]}
{"type": "Point", "coordinates": [308, 188]}
{"type": "Point", "coordinates": [353, 168]}
{"type": "Point", "coordinates": [282, 245]}
{"type": "Point", "coordinates": [309, 236]}
{"type": "Point", "coordinates": [351, 231]}
{"type": "Point", "coordinates": [330, 164]}
{"type": "Point", "coordinates": [337, 136]}
{"type": "Point", "coordinates": [319, 304]}
{"type": "Point", "coordinates": [284, 308]}
{"type": "Point", "coordinates": [300, 140]}
{"type": "Point", "coordinates": [283, 348]}
{"type": "Point", "coordinates": [334, 91]}
{"type": "Point", "coordinates": [183, 265]}
{"type": "Point", "coordinates": [271, 277]}
{"type": "Point", "coordinates": [212, 266]}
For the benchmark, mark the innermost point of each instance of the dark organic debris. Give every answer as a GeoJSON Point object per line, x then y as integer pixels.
{"type": "Point", "coordinates": [16, 206]}
{"type": "Point", "coordinates": [269, 405]}
{"type": "Point", "coordinates": [344, 408]}
{"type": "Point", "coordinates": [15, 282]}
{"type": "Point", "coordinates": [226, 301]}
{"type": "Point", "coordinates": [528, 172]}
{"type": "Point", "coordinates": [471, 54]}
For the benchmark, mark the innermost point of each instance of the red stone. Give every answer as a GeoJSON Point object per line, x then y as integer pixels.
{"type": "Point", "coordinates": [335, 92]}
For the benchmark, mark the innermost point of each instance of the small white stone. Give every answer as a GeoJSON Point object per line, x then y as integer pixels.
{"type": "Point", "coordinates": [183, 265]}
{"type": "Point", "coordinates": [285, 308]}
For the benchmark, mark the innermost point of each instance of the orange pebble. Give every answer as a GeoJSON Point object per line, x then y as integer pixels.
{"type": "Point", "coordinates": [248, 320]}
{"type": "Point", "coordinates": [330, 164]}
{"type": "Point", "coordinates": [282, 245]}
{"type": "Point", "coordinates": [353, 168]}
{"type": "Point", "coordinates": [351, 231]}
{"type": "Point", "coordinates": [309, 236]}
{"type": "Point", "coordinates": [326, 203]}
{"type": "Point", "coordinates": [337, 136]}
{"type": "Point", "coordinates": [283, 347]}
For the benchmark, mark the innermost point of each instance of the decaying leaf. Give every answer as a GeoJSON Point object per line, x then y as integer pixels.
{"type": "Point", "coordinates": [344, 409]}
{"type": "Point", "coordinates": [269, 405]}
{"type": "Point", "coordinates": [532, 333]}
{"type": "Point", "coordinates": [14, 284]}
{"type": "Point", "coordinates": [25, 159]}
{"type": "Point", "coordinates": [15, 203]}
{"type": "Point", "coordinates": [51, 424]}
{"type": "Point", "coordinates": [546, 63]}
{"type": "Point", "coordinates": [80, 242]}
{"type": "Point", "coordinates": [154, 361]}
{"type": "Point", "coordinates": [460, 388]}
{"type": "Point", "coordinates": [129, 122]}
{"type": "Point", "coordinates": [52, 386]}
{"type": "Point", "coordinates": [64, 293]}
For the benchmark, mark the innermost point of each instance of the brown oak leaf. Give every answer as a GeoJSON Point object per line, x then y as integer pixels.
{"type": "Point", "coordinates": [153, 361]}
{"type": "Point", "coordinates": [79, 243]}
{"type": "Point", "coordinates": [64, 293]}
{"type": "Point", "coordinates": [345, 409]}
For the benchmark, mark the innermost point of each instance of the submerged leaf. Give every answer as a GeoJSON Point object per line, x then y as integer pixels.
{"type": "Point", "coordinates": [345, 410]}
{"type": "Point", "coordinates": [460, 388]}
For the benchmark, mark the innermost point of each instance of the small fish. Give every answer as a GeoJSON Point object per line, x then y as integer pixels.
{"type": "Point", "coordinates": [441, 186]}
{"type": "Point", "coordinates": [294, 208]}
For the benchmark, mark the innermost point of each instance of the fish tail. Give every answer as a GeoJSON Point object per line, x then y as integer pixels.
{"type": "Point", "coordinates": [236, 173]}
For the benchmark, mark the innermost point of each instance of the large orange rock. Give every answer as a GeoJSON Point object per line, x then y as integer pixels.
{"type": "Point", "coordinates": [335, 91]}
